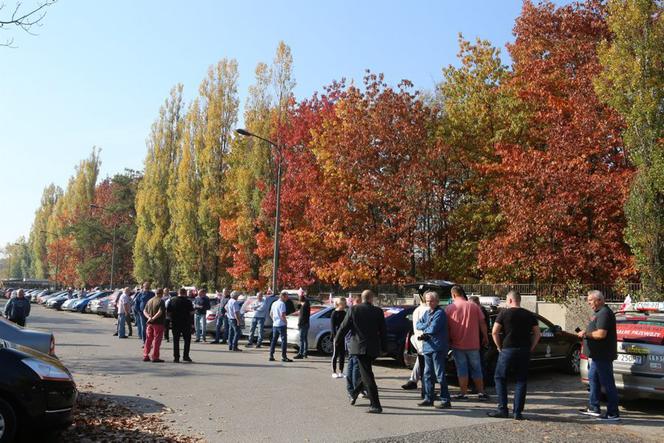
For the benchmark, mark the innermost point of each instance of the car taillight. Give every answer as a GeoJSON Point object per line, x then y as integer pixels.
{"type": "Point", "coordinates": [51, 350]}
{"type": "Point", "coordinates": [583, 356]}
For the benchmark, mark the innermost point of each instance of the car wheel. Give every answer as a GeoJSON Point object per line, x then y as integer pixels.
{"type": "Point", "coordinates": [573, 360]}
{"type": "Point", "coordinates": [325, 344]}
{"type": "Point", "coordinates": [7, 422]}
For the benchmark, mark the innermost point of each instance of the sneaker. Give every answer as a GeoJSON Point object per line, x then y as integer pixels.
{"type": "Point", "coordinates": [410, 385]}
{"type": "Point", "coordinates": [482, 397]}
{"type": "Point", "coordinates": [334, 374]}
{"type": "Point", "coordinates": [187, 359]}
{"type": "Point", "coordinates": [460, 397]}
{"type": "Point", "coordinates": [123, 336]}
{"type": "Point", "coordinates": [176, 360]}
{"type": "Point", "coordinates": [342, 375]}
{"type": "Point", "coordinates": [271, 358]}
{"type": "Point", "coordinates": [375, 410]}
{"type": "Point", "coordinates": [115, 335]}
{"type": "Point", "coordinates": [298, 357]}
{"type": "Point", "coordinates": [610, 417]}
{"type": "Point", "coordinates": [498, 413]}
{"type": "Point", "coordinates": [520, 417]}
{"type": "Point", "coordinates": [590, 412]}
{"type": "Point", "coordinates": [443, 405]}
{"type": "Point", "coordinates": [425, 403]}
{"type": "Point", "coordinates": [157, 360]}
{"type": "Point", "coordinates": [286, 360]}
{"type": "Point", "coordinates": [146, 358]}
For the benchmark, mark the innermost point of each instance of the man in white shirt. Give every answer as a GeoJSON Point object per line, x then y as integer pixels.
{"type": "Point", "coordinates": [278, 315]}
{"type": "Point", "coordinates": [233, 315]}
{"type": "Point", "coordinates": [124, 308]}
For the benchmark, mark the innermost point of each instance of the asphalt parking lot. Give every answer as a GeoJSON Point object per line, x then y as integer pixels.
{"type": "Point", "coordinates": [226, 396]}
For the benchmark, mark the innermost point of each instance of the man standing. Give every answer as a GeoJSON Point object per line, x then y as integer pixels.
{"type": "Point", "coordinates": [181, 310]}
{"type": "Point", "coordinates": [353, 377]}
{"type": "Point", "coordinates": [418, 367]}
{"type": "Point", "coordinates": [434, 338]}
{"type": "Point", "coordinates": [17, 308]}
{"type": "Point", "coordinates": [303, 324]}
{"type": "Point", "coordinates": [140, 301]}
{"type": "Point", "coordinates": [278, 315]}
{"type": "Point", "coordinates": [600, 345]}
{"type": "Point", "coordinates": [485, 347]}
{"type": "Point", "coordinates": [233, 315]}
{"type": "Point", "coordinates": [201, 306]}
{"type": "Point", "coordinates": [259, 307]}
{"type": "Point", "coordinates": [155, 314]}
{"type": "Point", "coordinates": [466, 326]}
{"type": "Point", "coordinates": [124, 307]}
{"type": "Point", "coordinates": [367, 324]}
{"type": "Point", "coordinates": [221, 323]}
{"type": "Point", "coordinates": [515, 333]}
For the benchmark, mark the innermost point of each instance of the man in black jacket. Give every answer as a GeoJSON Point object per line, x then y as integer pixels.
{"type": "Point", "coordinates": [366, 323]}
{"type": "Point", "coordinates": [303, 325]}
{"type": "Point", "coordinates": [181, 310]}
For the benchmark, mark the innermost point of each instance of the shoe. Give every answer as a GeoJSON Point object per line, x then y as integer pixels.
{"type": "Point", "coordinates": [115, 335]}
{"type": "Point", "coordinates": [482, 397]}
{"type": "Point", "coordinates": [590, 412]}
{"type": "Point", "coordinates": [520, 417]}
{"type": "Point", "coordinates": [286, 360]}
{"type": "Point", "coordinates": [123, 336]}
{"type": "Point", "coordinates": [410, 385]}
{"type": "Point", "coordinates": [223, 342]}
{"type": "Point", "coordinates": [460, 397]}
{"type": "Point", "coordinates": [342, 375]}
{"type": "Point", "coordinates": [498, 413]}
{"type": "Point", "coordinates": [176, 360]}
{"type": "Point", "coordinates": [425, 403]}
{"type": "Point", "coordinates": [249, 345]}
{"type": "Point", "coordinates": [610, 417]}
{"type": "Point", "coordinates": [237, 350]}
{"type": "Point", "coordinates": [271, 358]}
{"type": "Point", "coordinates": [364, 395]}
{"type": "Point", "coordinates": [353, 399]}
{"type": "Point", "coordinates": [198, 340]}
{"type": "Point", "coordinates": [158, 360]}
{"type": "Point", "coordinates": [298, 357]}
{"type": "Point", "coordinates": [187, 359]}
{"type": "Point", "coordinates": [334, 374]}
{"type": "Point", "coordinates": [374, 410]}
{"type": "Point", "coordinates": [146, 358]}
{"type": "Point", "coordinates": [259, 346]}
{"type": "Point", "coordinates": [443, 405]}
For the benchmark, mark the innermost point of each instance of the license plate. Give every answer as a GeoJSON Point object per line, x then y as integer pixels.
{"type": "Point", "coordinates": [628, 358]}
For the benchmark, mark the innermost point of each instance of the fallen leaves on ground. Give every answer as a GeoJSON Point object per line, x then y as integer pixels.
{"type": "Point", "coordinates": [97, 418]}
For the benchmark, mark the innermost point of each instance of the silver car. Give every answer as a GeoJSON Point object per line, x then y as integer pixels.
{"type": "Point", "coordinates": [639, 368]}
{"type": "Point", "coordinates": [38, 340]}
{"type": "Point", "coordinates": [320, 329]}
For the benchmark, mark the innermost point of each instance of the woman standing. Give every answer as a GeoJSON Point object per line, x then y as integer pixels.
{"type": "Point", "coordinates": [339, 353]}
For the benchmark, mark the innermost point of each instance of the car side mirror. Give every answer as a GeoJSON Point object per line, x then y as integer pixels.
{"type": "Point", "coordinates": [557, 329]}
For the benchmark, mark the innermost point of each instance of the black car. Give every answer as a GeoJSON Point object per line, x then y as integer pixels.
{"type": "Point", "coordinates": [556, 349]}
{"type": "Point", "coordinates": [36, 391]}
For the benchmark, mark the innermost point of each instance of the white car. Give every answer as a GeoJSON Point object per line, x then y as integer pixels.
{"type": "Point", "coordinates": [320, 329]}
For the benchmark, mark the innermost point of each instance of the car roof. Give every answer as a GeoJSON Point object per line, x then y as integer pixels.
{"type": "Point", "coordinates": [430, 284]}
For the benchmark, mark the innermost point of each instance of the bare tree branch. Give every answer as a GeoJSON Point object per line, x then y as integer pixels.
{"type": "Point", "coordinates": [24, 20]}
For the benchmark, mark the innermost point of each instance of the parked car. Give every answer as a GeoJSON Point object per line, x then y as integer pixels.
{"type": "Point", "coordinates": [39, 340]}
{"type": "Point", "coordinates": [100, 306]}
{"type": "Point", "coordinates": [556, 349]}
{"type": "Point", "coordinates": [36, 391]}
{"type": "Point", "coordinates": [639, 369]}
{"type": "Point", "coordinates": [43, 299]}
{"type": "Point", "coordinates": [270, 299]}
{"type": "Point", "coordinates": [57, 302]}
{"type": "Point", "coordinates": [211, 315]}
{"type": "Point", "coordinates": [79, 305]}
{"type": "Point", "coordinates": [320, 330]}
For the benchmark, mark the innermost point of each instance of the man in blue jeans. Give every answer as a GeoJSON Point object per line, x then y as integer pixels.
{"type": "Point", "coordinates": [303, 325]}
{"type": "Point", "coordinates": [433, 325]}
{"type": "Point", "coordinates": [233, 315]}
{"type": "Point", "coordinates": [516, 334]}
{"type": "Point", "coordinates": [221, 323]}
{"type": "Point", "coordinates": [140, 301]}
{"type": "Point", "coordinates": [600, 343]}
{"type": "Point", "coordinates": [278, 315]}
{"type": "Point", "coordinates": [260, 308]}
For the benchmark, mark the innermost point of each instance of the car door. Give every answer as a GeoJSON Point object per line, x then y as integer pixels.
{"type": "Point", "coordinates": [549, 350]}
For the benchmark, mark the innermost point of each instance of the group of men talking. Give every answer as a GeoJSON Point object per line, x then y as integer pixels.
{"type": "Point", "coordinates": [462, 327]}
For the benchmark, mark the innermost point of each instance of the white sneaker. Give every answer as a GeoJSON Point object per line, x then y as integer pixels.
{"type": "Point", "coordinates": [335, 375]}
{"type": "Point", "coordinates": [341, 375]}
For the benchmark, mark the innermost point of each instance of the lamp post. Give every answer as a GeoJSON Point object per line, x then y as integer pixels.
{"type": "Point", "coordinates": [277, 214]}
{"type": "Point", "coordinates": [57, 257]}
{"type": "Point", "coordinates": [115, 225]}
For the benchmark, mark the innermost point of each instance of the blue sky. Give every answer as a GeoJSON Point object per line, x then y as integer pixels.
{"type": "Point", "coordinates": [99, 70]}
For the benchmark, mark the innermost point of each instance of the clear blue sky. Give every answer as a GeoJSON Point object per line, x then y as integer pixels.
{"type": "Point", "coordinates": [99, 70]}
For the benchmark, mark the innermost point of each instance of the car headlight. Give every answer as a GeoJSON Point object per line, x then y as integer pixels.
{"type": "Point", "coordinates": [46, 371]}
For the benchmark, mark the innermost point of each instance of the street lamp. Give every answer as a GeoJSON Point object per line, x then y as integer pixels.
{"type": "Point", "coordinates": [57, 257]}
{"type": "Point", "coordinates": [275, 254]}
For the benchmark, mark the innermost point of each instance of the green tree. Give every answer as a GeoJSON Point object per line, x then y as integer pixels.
{"type": "Point", "coordinates": [18, 259]}
{"type": "Point", "coordinates": [219, 108]}
{"type": "Point", "coordinates": [632, 82]}
{"type": "Point", "coordinates": [152, 248]}
{"type": "Point", "coordinates": [39, 232]}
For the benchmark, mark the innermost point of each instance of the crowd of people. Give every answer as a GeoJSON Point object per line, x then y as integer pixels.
{"type": "Point", "coordinates": [359, 335]}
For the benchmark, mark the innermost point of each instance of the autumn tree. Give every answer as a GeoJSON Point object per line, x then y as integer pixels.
{"type": "Point", "coordinates": [562, 189]}
{"type": "Point", "coordinates": [632, 82]}
{"type": "Point", "coordinates": [152, 248]}
{"type": "Point", "coordinates": [38, 232]}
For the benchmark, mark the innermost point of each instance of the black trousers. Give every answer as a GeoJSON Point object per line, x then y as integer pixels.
{"type": "Point", "coordinates": [368, 380]}
{"type": "Point", "coordinates": [185, 333]}
{"type": "Point", "coordinates": [167, 327]}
